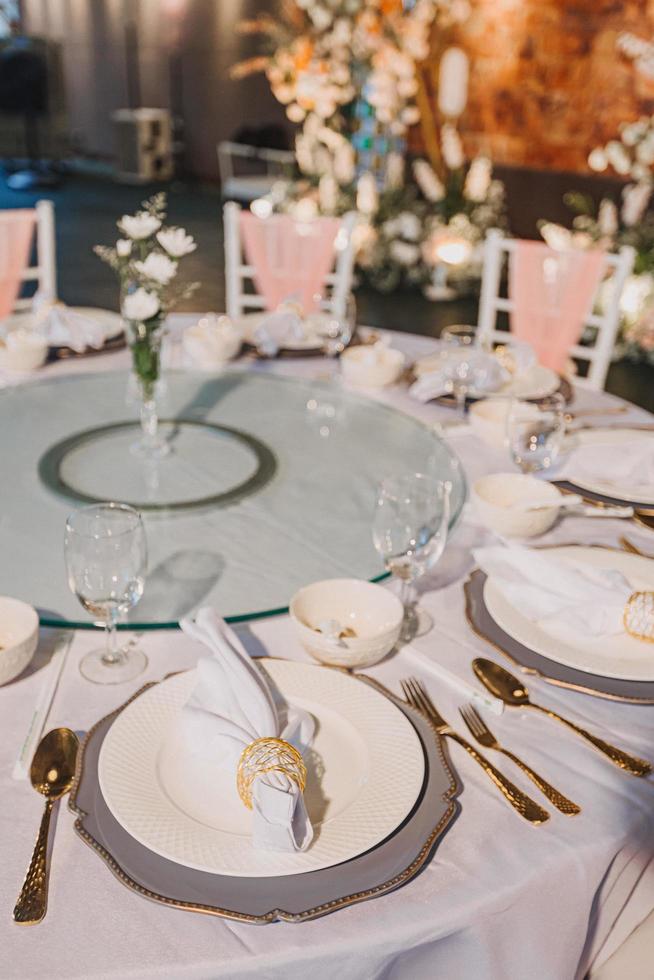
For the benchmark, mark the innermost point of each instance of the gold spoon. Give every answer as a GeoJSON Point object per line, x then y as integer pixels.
{"type": "Point", "coordinates": [513, 692]}
{"type": "Point", "coordinates": [51, 773]}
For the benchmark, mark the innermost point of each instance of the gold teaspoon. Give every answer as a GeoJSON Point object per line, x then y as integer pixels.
{"type": "Point", "coordinates": [509, 689]}
{"type": "Point", "coordinates": [51, 773]}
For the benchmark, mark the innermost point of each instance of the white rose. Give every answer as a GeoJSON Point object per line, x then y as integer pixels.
{"type": "Point", "coordinates": [140, 305]}
{"type": "Point", "coordinates": [635, 198]}
{"type": "Point", "coordinates": [597, 160]}
{"type": "Point", "coordinates": [452, 147]}
{"type": "Point", "coordinates": [123, 248]}
{"type": "Point", "coordinates": [157, 266]}
{"type": "Point", "coordinates": [478, 179]}
{"type": "Point", "coordinates": [409, 225]}
{"type": "Point", "coordinates": [428, 182]}
{"type": "Point", "coordinates": [618, 157]}
{"type": "Point", "coordinates": [607, 218]}
{"type": "Point", "coordinates": [295, 113]}
{"type": "Point", "coordinates": [403, 253]}
{"type": "Point", "coordinates": [139, 226]}
{"type": "Point", "coordinates": [176, 242]}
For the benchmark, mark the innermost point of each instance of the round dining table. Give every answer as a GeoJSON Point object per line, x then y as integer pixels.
{"type": "Point", "coordinates": [499, 899]}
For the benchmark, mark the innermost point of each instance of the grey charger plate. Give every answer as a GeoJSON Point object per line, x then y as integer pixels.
{"type": "Point", "coordinates": [601, 498]}
{"type": "Point", "coordinates": [530, 662]}
{"type": "Point", "coordinates": [291, 898]}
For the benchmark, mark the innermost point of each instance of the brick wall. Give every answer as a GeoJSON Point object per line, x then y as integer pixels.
{"type": "Point", "coordinates": [546, 81]}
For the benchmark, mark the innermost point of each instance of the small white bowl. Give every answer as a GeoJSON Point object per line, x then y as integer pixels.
{"type": "Point", "coordinates": [22, 351]}
{"type": "Point", "coordinates": [365, 367]}
{"type": "Point", "coordinates": [19, 635]}
{"type": "Point", "coordinates": [495, 496]}
{"type": "Point", "coordinates": [488, 420]}
{"type": "Point", "coordinates": [373, 613]}
{"type": "Point", "coordinates": [212, 342]}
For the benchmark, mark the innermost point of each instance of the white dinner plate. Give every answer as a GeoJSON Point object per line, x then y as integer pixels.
{"type": "Point", "coordinates": [311, 341]}
{"type": "Point", "coordinates": [620, 656]}
{"type": "Point", "coordinates": [365, 771]}
{"type": "Point", "coordinates": [642, 493]}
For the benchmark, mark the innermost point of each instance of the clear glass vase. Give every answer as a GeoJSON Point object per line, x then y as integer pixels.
{"type": "Point", "coordinates": [144, 340]}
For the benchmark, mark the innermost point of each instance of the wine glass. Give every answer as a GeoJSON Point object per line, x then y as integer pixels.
{"type": "Point", "coordinates": [535, 431]}
{"type": "Point", "coordinates": [410, 528]}
{"type": "Point", "coordinates": [460, 338]}
{"type": "Point", "coordinates": [336, 331]}
{"type": "Point", "coordinates": [106, 558]}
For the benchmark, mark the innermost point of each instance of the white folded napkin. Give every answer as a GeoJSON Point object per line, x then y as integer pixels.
{"type": "Point", "coordinates": [63, 327]}
{"type": "Point", "coordinates": [212, 341]}
{"type": "Point", "coordinates": [281, 327]}
{"type": "Point", "coordinates": [231, 706]}
{"type": "Point", "coordinates": [480, 372]}
{"type": "Point", "coordinates": [628, 464]}
{"type": "Point", "coordinates": [560, 596]}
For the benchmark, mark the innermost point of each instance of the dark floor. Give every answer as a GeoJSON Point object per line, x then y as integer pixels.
{"type": "Point", "coordinates": [87, 210]}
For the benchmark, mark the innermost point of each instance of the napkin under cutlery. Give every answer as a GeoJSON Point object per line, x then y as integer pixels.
{"type": "Point", "coordinates": [231, 706]}
{"type": "Point", "coordinates": [562, 596]}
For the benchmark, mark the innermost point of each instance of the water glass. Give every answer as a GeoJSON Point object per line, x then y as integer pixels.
{"type": "Point", "coordinates": [410, 529]}
{"type": "Point", "coordinates": [106, 559]}
{"type": "Point", "coordinates": [462, 338]}
{"type": "Point", "coordinates": [535, 431]}
{"type": "Point", "coordinates": [336, 332]}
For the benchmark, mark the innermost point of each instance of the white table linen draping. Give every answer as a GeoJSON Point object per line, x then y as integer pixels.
{"type": "Point", "coordinates": [501, 900]}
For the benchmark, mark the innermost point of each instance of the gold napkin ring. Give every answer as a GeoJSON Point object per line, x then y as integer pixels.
{"type": "Point", "coordinates": [638, 617]}
{"type": "Point", "coordinates": [268, 755]}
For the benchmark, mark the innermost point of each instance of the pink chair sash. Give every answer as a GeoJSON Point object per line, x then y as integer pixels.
{"type": "Point", "coordinates": [16, 232]}
{"type": "Point", "coordinates": [290, 258]}
{"type": "Point", "coordinates": [552, 293]}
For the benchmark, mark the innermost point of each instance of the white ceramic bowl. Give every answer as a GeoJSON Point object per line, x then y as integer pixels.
{"type": "Point", "coordinates": [364, 367]}
{"type": "Point", "coordinates": [374, 613]}
{"type": "Point", "coordinates": [488, 420]}
{"type": "Point", "coordinates": [19, 635]}
{"type": "Point", "coordinates": [22, 351]}
{"type": "Point", "coordinates": [494, 498]}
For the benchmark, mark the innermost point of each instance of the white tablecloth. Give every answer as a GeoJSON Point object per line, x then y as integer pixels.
{"type": "Point", "coordinates": [501, 900]}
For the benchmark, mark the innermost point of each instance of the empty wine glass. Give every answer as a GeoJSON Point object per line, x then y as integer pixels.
{"type": "Point", "coordinates": [410, 528]}
{"type": "Point", "coordinates": [463, 370]}
{"type": "Point", "coordinates": [336, 331]}
{"type": "Point", "coordinates": [106, 558]}
{"type": "Point", "coordinates": [535, 431]}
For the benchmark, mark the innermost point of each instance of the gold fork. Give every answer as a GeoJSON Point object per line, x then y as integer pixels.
{"type": "Point", "coordinates": [417, 697]}
{"type": "Point", "coordinates": [480, 730]}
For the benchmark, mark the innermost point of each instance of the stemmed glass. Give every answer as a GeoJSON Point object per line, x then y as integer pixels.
{"type": "Point", "coordinates": [410, 528]}
{"type": "Point", "coordinates": [336, 331]}
{"type": "Point", "coordinates": [106, 558]}
{"type": "Point", "coordinates": [535, 431]}
{"type": "Point", "coordinates": [462, 338]}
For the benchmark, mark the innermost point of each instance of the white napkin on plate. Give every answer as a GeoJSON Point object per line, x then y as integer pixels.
{"type": "Point", "coordinates": [63, 327]}
{"type": "Point", "coordinates": [560, 596]}
{"type": "Point", "coordinates": [629, 464]}
{"type": "Point", "coordinates": [480, 372]}
{"type": "Point", "coordinates": [231, 706]}
{"type": "Point", "coordinates": [281, 327]}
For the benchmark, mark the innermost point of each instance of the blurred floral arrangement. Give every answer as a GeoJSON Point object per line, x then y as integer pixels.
{"type": "Point", "coordinates": [608, 226]}
{"type": "Point", "coordinates": [328, 57]}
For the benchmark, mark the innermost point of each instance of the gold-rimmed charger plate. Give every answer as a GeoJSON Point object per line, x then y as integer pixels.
{"type": "Point", "coordinates": [294, 898]}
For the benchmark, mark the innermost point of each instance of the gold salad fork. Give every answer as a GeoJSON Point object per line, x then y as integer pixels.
{"type": "Point", "coordinates": [480, 730]}
{"type": "Point", "coordinates": [418, 698]}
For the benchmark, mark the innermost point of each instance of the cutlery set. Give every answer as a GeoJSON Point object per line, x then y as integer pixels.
{"type": "Point", "coordinates": [503, 685]}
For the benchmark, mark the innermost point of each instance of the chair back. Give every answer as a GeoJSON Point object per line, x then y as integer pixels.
{"type": "Point", "coordinates": [283, 256]}
{"type": "Point", "coordinates": [585, 275]}
{"type": "Point", "coordinates": [17, 229]}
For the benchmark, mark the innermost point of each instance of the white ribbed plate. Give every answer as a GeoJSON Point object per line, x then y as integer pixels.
{"type": "Point", "coordinates": [365, 772]}
{"type": "Point", "coordinates": [611, 486]}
